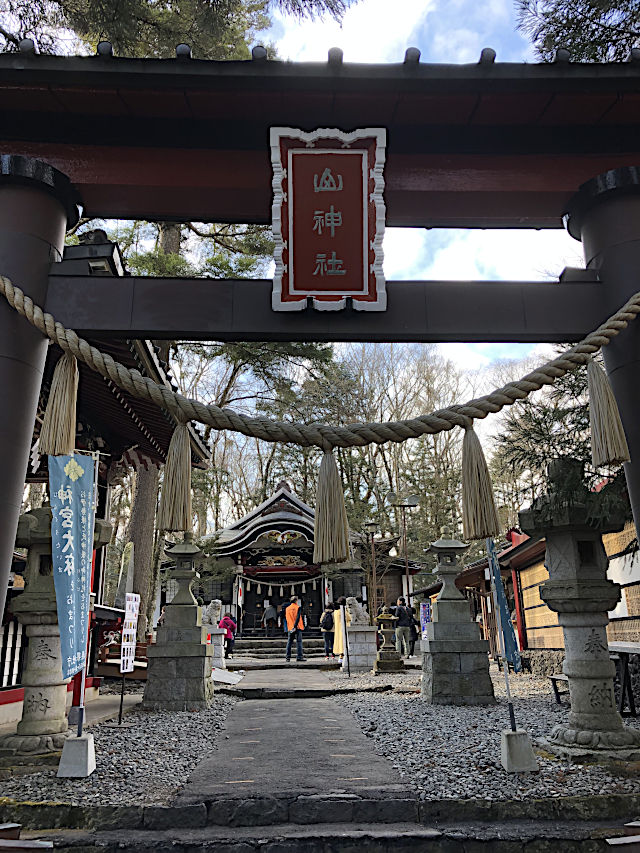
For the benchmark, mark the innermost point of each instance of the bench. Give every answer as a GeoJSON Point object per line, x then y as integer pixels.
{"type": "Point", "coordinates": [554, 679]}
{"type": "Point", "coordinates": [525, 662]}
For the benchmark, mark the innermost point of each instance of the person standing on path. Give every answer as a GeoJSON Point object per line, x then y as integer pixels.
{"type": "Point", "coordinates": [403, 626]}
{"type": "Point", "coordinates": [229, 633]}
{"type": "Point", "coordinates": [269, 619]}
{"type": "Point", "coordinates": [414, 632]}
{"type": "Point", "coordinates": [295, 627]}
{"type": "Point", "coordinates": [338, 627]}
{"type": "Point", "coordinates": [327, 628]}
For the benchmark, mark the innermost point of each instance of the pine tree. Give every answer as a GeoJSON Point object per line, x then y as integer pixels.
{"type": "Point", "coordinates": [592, 30]}
{"type": "Point", "coordinates": [215, 29]}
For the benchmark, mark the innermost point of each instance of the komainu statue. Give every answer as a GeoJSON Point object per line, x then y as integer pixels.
{"type": "Point", "coordinates": [357, 612]}
{"type": "Point", "coordinates": [212, 614]}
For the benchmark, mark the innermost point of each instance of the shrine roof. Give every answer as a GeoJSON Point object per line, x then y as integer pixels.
{"type": "Point", "coordinates": [485, 144]}
{"type": "Point", "coordinates": [283, 509]}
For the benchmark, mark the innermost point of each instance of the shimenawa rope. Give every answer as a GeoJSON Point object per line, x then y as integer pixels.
{"type": "Point", "coordinates": [322, 435]}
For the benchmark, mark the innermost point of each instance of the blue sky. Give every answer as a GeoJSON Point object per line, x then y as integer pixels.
{"type": "Point", "coordinates": [447, 31]}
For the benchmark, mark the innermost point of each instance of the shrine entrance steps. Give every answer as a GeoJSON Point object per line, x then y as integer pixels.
{"type": "Point", "coordinates": [275, 648]}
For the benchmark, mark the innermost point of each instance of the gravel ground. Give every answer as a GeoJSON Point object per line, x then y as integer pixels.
{"type": "Point", "coordinates": [454, 752]}
{"type": "Point", "coordinates": [113, 686]}
{"type": "Point", "coordinates": [144, 764]}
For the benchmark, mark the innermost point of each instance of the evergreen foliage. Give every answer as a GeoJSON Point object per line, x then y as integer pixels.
{"type": "Point", "coordinates": [214, 29]}
{"type": "Point", "coordinates": [551, 424]}
{"type": "Point", "coordinates": [592, 30]}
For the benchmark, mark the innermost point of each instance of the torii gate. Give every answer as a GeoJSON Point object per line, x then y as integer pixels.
{"type": "Point", "coordinates": [487, 145]}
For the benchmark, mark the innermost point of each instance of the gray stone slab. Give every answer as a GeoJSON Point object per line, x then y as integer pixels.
{"type": "Point", "coordinates": [292, 748]}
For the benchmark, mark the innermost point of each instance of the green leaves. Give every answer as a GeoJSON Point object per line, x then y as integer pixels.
{"type": "Point", "coordinates": [592, 30]}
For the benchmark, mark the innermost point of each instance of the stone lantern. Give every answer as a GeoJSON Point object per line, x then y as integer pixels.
{"type": "Point", "coordinates": [43, 727]}
{"type": "Point", "coordinates": [387, 659]}
{"type": "Point", "coordinates": [572, 520]}
{"type": "Point", "coordinates": [455, 660]}
{"type": "Point", "coordinates": [180, 662]}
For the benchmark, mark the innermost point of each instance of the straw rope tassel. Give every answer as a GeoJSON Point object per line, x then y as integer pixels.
{"type": "Point", "coordinates": [331, 529]}
{"type": "Point", "coordinates": [479, 513]}
{"type": "Point", "coordinates": [608, 441]}
{"type": "Point", "coordinates": [175, 500]}
{"type": "Point", "coordinates": [58, 433]}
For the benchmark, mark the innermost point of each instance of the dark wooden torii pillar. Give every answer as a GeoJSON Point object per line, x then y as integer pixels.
{"type": "Point", "coordinates": [36, 208]}
{"type": "Point", "coordinates": [605, 215]}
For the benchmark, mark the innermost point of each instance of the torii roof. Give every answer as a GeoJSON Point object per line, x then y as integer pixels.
{"type": "Point", "coordinates": [478, 145]}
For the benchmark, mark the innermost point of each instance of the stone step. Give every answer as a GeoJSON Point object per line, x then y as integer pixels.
{"type": "Point", "coordinates": [511, 837]}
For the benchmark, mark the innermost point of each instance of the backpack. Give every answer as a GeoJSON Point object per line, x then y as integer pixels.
{"type": "Point", "coordinates": [326, 623]}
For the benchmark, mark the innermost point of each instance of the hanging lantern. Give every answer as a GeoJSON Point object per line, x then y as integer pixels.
{"type": "Point", "coordinates": [248, 585]}
{"type": "Point", "coordinates": [293, 591]}
{"type": "Point", "coordinates": [281, 591]}
{"type": "Point", "coordinates": [304, 587]}
{"type": "Point", "coordinates": [259, 589]}
{"type": "Point", "coordinates": [313, 585]}
{"type": "Point", "coordinates": [269, 591]}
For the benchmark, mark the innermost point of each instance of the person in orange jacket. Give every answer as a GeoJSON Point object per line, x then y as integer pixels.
{"type": "Point", "coordinates": [295, 627]}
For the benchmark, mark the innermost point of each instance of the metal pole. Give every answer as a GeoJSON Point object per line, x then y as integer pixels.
{"type": "Point", "coordinates": [83, 678]}
{"type": "Point", "coordinates": [121, 700]}
{"type": "Point", "coordinates": [505, 665]}
{"type": "Point", "coordinates": [374, 580]}
{"type": "Point", "coordinates": [406, 552]}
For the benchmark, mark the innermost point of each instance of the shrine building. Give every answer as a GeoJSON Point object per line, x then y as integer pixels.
{"type": "Point", "coordinates": [267, 556]}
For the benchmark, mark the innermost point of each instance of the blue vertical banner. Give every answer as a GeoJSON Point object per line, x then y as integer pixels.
{"type": "Point", "coordinates": [425, 617]}
{"type": "Point", "coordinates": [510, 646]}
{"type": "Point", "coordinates": [72, 490]}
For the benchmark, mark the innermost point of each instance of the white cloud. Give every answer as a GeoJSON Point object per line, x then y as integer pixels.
{"type": "Point", "coordinates": [371, 31]}
{"type": "Point", "coordinates": [502, 255]}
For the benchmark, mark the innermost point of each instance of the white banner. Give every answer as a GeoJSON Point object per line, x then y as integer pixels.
{"type": "Point", "coordinates": [129, 632]}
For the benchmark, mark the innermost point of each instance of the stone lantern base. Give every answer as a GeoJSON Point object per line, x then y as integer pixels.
{"type": "Point", "coordinates": [361, 641]}
{"type": "Point", "coordinates": [179, 663]}
{"type": "Point", "coordinates": [455, 660]}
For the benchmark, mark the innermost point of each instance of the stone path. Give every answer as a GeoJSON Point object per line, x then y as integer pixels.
{"type": "Point", "coordinates": [300, 746]}
{"type": "Point", "coordinates": [283, 684]}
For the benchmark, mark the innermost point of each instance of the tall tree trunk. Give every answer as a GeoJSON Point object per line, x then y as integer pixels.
{"type": "Point", "coordinates": [141, 529]}
{"type": "Point", "coordinates": [169, 238]}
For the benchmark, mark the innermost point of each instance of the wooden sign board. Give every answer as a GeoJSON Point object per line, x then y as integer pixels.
{"type": "Point", "coordinates": [328, 218]}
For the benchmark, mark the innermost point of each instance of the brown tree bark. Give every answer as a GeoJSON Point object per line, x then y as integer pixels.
{"type": "Point", "coordinates": [169, 237]}
{"type": "Point", "coordinates": [141, 530]}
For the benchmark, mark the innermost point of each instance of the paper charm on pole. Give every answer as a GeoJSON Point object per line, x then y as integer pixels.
{"type": "Point", "coordinates": [328, 218]}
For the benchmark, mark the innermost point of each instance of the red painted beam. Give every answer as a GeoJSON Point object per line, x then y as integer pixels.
{"type": "Point", "coordinates": [430, 190]}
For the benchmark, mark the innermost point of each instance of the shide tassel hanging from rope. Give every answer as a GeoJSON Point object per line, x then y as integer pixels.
{"type": "Point", "coordinates": [331, 533]}
{"type": "Point", "coordinates": [608, 441]}
{"type": "Point", "coordinates": [58, 433]}
{"type": "Point", "coordinates": [479, 513]}
{"type": "Point", "coordinates": [174, 512]}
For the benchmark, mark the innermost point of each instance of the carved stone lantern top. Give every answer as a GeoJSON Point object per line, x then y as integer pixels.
{"type": "Point", "coordinates": [185, 554]}
{"type": "Point", "coordinates": [568, 504]}
{"type": "Point", "coordinates": [448, 551]}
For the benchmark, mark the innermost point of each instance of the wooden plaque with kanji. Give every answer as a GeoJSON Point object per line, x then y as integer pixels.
{"type": "Point", "coordinates": [328, 218]}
